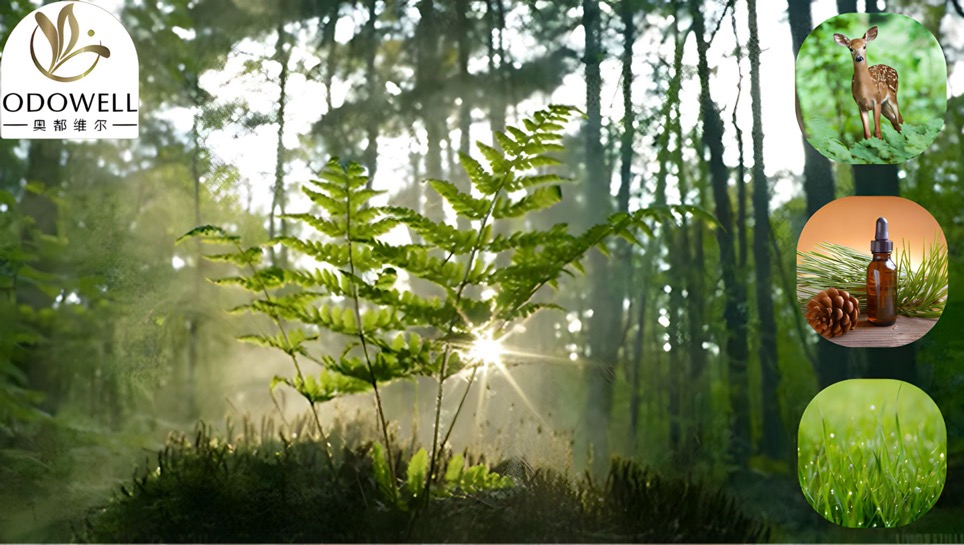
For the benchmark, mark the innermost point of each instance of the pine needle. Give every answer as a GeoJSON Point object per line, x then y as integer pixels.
{"type": "Point", "coordinates": [921, 292]}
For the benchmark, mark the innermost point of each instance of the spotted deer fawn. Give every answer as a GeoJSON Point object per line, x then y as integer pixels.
{"type": "Point", "coordinates": [874, 87]}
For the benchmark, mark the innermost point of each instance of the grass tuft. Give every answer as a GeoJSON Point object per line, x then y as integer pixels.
{"type": "Point", "coordinates": [872, 453]}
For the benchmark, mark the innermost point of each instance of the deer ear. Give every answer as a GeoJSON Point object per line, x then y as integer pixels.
{"type": "Point", "coordinates": [841, 40]}
{"type": "Point", "coordinates": [871, 34]}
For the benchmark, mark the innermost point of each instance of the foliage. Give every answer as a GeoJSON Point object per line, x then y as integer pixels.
{"type": "Point", "coordinates": [460, 479]}
{"type": "Point", "coordinates": [921, 292]}
{"type": "Point", "coordinates": [18, 402]}
{"type": "Point", "coordinates": [893, 148]}
{"type": "Point", "coordinates": [872, 453]}
{"type": "Point", "coordinates": [207, 489]}
{"type": "Point", "coordinates": [363, 265]}
{"type": "Point", "coordinates": [824, 71]}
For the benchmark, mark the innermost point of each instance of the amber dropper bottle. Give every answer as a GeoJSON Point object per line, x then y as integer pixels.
{"type": "Point", "coordinates": [882, 279]}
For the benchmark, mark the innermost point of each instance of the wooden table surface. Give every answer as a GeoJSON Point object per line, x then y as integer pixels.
{"type": "Point", "coordinates": [904, 331]}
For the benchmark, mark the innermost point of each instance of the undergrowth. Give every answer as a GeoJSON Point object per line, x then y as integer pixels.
{"type": "Point", "coordinates": [203, 488]}
{"type": "Point", "coordinates": [894, 148]}
{"type": "Point", "coordinates": [872, 454]}
{"type": "Point", "coordinates": [424, 307]}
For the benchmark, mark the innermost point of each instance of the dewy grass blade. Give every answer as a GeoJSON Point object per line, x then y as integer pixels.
{"type": "Point", "coordinates": [876, 467]}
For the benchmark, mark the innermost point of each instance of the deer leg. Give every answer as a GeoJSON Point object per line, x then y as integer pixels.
{"type": "Point", "coordinates": [877, 119]}
{"type": "Point", "coordinates": [889, 110]}
{"type": "Point", "coordinates": [866, 122]}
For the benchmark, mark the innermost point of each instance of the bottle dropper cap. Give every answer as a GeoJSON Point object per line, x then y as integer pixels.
{"type": "Point", "coordinates": [881, 243]}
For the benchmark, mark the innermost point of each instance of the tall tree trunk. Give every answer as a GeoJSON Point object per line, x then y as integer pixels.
{"type": "Point", "coordinates": [374, 112]}
{"type": "Point", "coordinates": [833, 361]}
{"type": "Point", "coordinates": [433, 113]}
{"type": "Point", "coordinates": [465, 93]}
{"type": "Point", "coordinates": [883, 180]}
{"type": "Point", "coordinates": [189, 386]}
{"type": "Point", "coordinates": [278, 227]}
{"type": "Point", "coordinates": [734, 311]}
{"type": "Point", "coordinates": [606, 311]}
{"type": "Point", "coordinates": [328, 45]}
{"type": "Point", "coordinates": [843, 6]}
{"type": "Point", "coordinates": [625, 251]}
{"type": "Point", "coordinates": [774, 435]}
{"type": "Point", "coordinates": [741, 229]}
{"type": "Point", "coordinates": [495, 20]}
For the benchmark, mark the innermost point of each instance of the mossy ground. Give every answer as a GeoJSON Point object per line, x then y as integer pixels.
{"type": "Point", "coordinates": [204, 489]}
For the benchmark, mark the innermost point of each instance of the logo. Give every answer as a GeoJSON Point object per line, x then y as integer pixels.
{"type": "Point", "coordinates": [57, 37]}
{"type": "Point", "coordinates": [69, 70]}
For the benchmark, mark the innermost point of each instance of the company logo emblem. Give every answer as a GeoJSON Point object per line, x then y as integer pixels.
{"type": "Point", "coordinates": [69, 70]}
{"type": "Point", "coordinates": [62, 51]}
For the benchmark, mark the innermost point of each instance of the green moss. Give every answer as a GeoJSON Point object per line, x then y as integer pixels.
{"type": "Point", "coordinates": [206, 490]}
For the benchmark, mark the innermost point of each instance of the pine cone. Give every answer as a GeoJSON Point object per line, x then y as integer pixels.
{"type": "Point", "coordinates": [833, 312]}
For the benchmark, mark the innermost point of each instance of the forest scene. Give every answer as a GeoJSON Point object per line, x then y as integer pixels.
{"type": "Point", "coordinates": [824, 72]}
{"type": "Point", "coordinates": [461, 271]}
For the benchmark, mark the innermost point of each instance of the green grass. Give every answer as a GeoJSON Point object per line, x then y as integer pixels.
{"type": "Point", "coordinates": [872, 453]}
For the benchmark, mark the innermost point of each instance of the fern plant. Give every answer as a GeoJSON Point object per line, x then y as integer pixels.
{"type": "Point", "coordinates": [381, 314]}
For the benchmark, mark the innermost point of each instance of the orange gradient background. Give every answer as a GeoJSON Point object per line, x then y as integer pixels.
{"type": "Point", "coordinates": [851, 221]}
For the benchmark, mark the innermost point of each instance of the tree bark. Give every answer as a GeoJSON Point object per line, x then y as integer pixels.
{"type": "Point", "coordinates": [433, 114]}
{"type": "Point", "coordinates": [843, 6]}
{"type": "Point", "coordinates": [625, 251]}
{"type": "Point", "coordinates": [741, 229]}
{"type": "Point", "coordinates": [834, 362]}
{"type": "Point", "coordinates": [734, 311]}
{"type": "Point", "coordinates": [280, 226]}
{"type": "Point", "coordinates": [606, 311]}
{"type": "Point", "coordinates": [774, 435]}
{"type": "Point", "coordinates": [372, 83]}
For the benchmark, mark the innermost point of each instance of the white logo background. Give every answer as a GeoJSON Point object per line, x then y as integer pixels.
{"type": "Point", "coordinates": [103, 104]}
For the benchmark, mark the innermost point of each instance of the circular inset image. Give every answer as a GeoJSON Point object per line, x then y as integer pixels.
{"type": "Point", "coordinates": [872, 88]}
{"type": "Point", "coordinates": [872, 271]}
{"type": "Point", "coordinates": [872, 453]}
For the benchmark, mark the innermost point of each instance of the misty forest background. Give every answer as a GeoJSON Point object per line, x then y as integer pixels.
{"type": "Point", "coordinates": [686, 352]}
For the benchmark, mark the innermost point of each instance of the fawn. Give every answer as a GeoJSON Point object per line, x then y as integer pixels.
{"type": "Point", "coordinates": [874, 87]}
